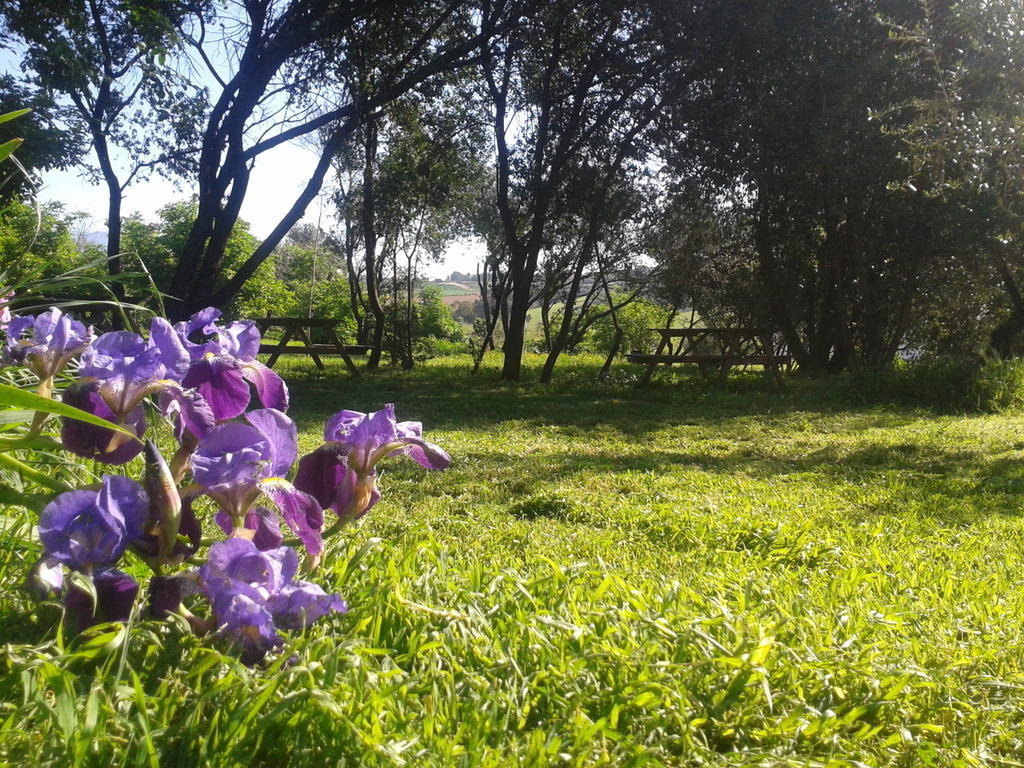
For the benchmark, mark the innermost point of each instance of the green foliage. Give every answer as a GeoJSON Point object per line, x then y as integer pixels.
{"type": "Point", "coordinates": [797, 128]}
{"type": "Point", "coordinates": [308, 253]}
{"type": "Point", "coordinates": [636, 320]}
{"type": "Point", "coordinates": [263, 294]}
{"type": "Point", "coordinates": [45, 143]}
{"type": "Point", "coordinates": [325, 299]}
{"type": "Point", "coordinates": [100, 70]}
{"type": "Point", "coordinates": [427, 347]}
{"type": "Point", "coordinates": [998, 386]}
{"type": "Point", "coordinates": [435, 317]}
{"type": "Point", "coordinates": [159, 245]}
{"type": "Point", "coordinates": [947, 383]}
{"type": "Point", "coordinates": [36, 242]}
{"type": "Point", "coordinates": [310, 265]}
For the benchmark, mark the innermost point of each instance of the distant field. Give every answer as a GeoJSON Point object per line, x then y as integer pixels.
{"type": "Point", "coordinates": [460, 298]}
{"type": "Point", "coordinates": [456, 289]}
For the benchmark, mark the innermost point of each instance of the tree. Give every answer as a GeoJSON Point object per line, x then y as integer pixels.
{"type": "Point", "coordinates": [604, 212]}
{"type": "Point", "coordinates": [300, 67]}
{"type": "Point", "coordinates": [966, 148]}
{"type": "Point", "coordinates": [419, 168]}
{"type": "Point", "coordinates": [50, 139]}
{"type": "Point", "coordinates": [107, 58]}
{"type": "Point", "coordinates": [35, 243]}
{"type": "Point", "coordinates": [555, 84]}
{"type": "Point", "coordinates": [635, 321]}
{"type": "Point", "coordinates": [782, 128]}
{"type": "Point", "coordinates": [307, 255]}
{"type": "Point", "coordinates": [310, 263]}
{"type": "Point", "coordinates": [435, 317]}
{"type": "Point", "coordinates": [158, 246]}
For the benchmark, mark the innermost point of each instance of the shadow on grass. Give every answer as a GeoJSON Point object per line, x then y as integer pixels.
{"type": "Point", "coordinates": [448, 397]}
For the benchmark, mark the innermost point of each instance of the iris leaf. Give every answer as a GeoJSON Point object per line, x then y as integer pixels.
{"type": "Point", "coordinates": [12, 397]}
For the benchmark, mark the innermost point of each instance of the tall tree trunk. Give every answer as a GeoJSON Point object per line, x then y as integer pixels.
{"type": "Point", "coordinates": [355, 294]}
{"type": "Point", "coordinates": [485, 303]}
{"type": "Point", "coordinates": [370, 244]}
{"type": "Point", "coordinates": [407, 358]}
{"type": "Point", "coordinates": [115, 196]}
{"type": "Point", "coordinates": [617, 341]}
{"type": "Point", "coordinates": [501, 299]}
{"type": "Point", "coordinates": [558, 345]}
{"type": "Point", "coordinates": [1004, 337]}
{"type": "Point", "coordinates": [778, 309]}
{"type": "Point", "coordinates": [499, 293]}
{"type": "Point", "coordinates": [515, 333]}
{"type": "Point", "coordinates": [214, 258]}
{"type": "Point", "coordinates": [547, 299]}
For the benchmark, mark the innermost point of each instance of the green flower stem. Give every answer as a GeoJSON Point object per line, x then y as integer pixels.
{"type": "Point", "coordinates": [45, 389]}
{"type": "Point", "coordinates": [37, 477]}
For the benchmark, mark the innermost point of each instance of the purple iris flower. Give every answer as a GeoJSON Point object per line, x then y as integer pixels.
{"type": "Point", "coordinates": [128, 367]}
{"type": "Point", "coordinates": [342, 473]}
{"type": "Point", "coordinates": [46, 579]}
{"type": "Point", "coordinates": [5, 309]}
{"type": "Point", "coordinates": [83, 529]}
{"type": "Point", "coordinates": [115, 593]}
{"type": "Point", "coordinates": [119, 371]}
{"type": "Point", "coordinates": [46, 342]}
{"type": "Point", "coordinates": [224, 364]}
{"type": "Point", "coordinates": [165, 593]}
{"type": "Point", "coordinates": [261, 521]}
{"type": "Point", "coordinates": [253, 592]}
{"type": "Point", "coordinates": [299, 603]}
{"type": "Point", "coordinates": [115, 596]}
{"type": "Point", "coordinates": [237, 464]}
{"type": "Point", "coordinates": [99, 443]}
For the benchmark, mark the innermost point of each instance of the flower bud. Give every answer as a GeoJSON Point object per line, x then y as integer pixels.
{"type": "Point", "coordinates": [164, 500]}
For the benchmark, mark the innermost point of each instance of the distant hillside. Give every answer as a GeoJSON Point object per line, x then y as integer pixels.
{"type": "Point", "coordinates": [456, 289]}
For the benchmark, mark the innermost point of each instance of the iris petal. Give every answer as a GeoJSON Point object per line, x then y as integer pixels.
{"type": "Point", "coordinates": [219, 380]}
{"type": "Point", "coordinates": [270, 388]}
{"type": "Point", "coordinates": [300, 511]}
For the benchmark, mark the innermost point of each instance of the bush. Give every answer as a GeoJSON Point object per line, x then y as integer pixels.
{"type": "Point", "coordinates": [950, 383]}
{"type": "Point", "coordinates": [636, 320]}
{"type": "Point", "coordinates": [998, 386]}
{"type": "Point", "coordinates": [36, 243]}
{"type": "Point", "coordinates": [435, 317]}
{"type": "Point", "coordinates": [429, 347]}
{"type": "Point", "coordinates": [330, 299]}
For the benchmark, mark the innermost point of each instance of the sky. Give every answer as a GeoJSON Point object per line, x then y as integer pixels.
{"type": "Point", "coordinates": [276, 180]}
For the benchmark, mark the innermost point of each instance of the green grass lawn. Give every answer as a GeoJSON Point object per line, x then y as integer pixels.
{"type": "Point", "coordinates": [675, 575]}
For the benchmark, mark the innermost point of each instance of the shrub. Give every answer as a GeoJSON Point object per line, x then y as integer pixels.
{"type": "Point", "coordinates": [998, 386]}
{"type": "Point", "coordinates": [946, 382]}
{"type": "Point", "coordinates": [636, 320]}
{"type": "Point", "coordinates": [429, 347]}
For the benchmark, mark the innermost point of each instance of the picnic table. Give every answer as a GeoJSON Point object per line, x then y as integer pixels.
{"type": "Point", "coordinates": [303, 327]}
{"type": "Point", "coordinates": [713, 350]}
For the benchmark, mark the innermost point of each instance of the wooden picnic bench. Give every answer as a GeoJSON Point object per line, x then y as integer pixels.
{"type": "Point", "coordinates": [713, 350]}
{"type": "Point", "coordinates": [303, 327]}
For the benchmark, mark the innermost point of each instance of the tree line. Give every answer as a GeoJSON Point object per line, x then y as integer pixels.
{"type": "Point", "coordinates": [847, 174]}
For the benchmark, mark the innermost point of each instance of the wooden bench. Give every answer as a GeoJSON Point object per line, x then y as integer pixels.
{"type": "Point", "coordinates": [303, 327]}
{"type": "Point", "coordinates": [713, 350]}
